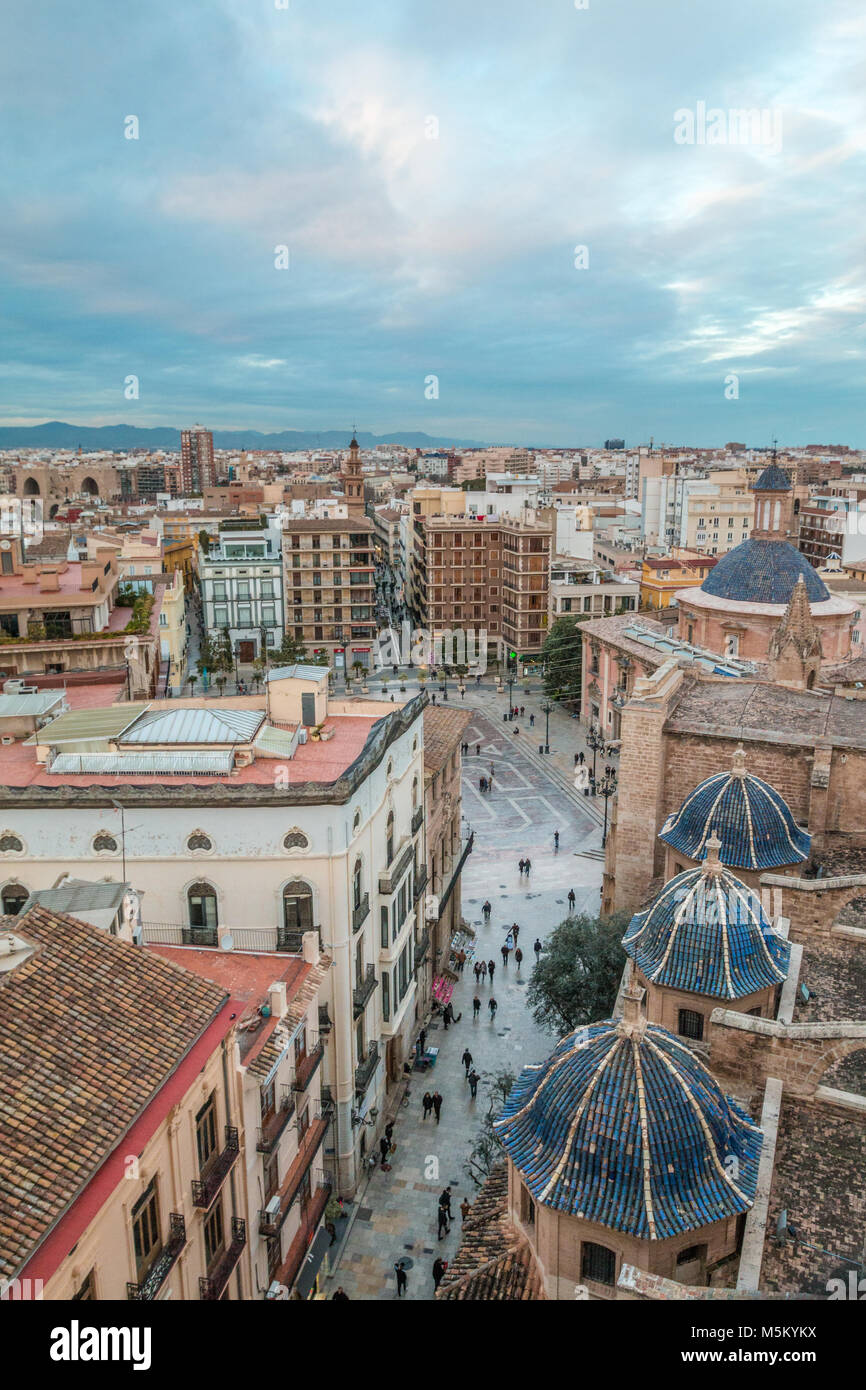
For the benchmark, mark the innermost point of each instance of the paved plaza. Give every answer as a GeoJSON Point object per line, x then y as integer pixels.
{"type": "Point", "coordinates": [395, 1216]}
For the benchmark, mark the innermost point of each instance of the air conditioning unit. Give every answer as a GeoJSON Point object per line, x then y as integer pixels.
{"type": "Point", "coordinates": [6, 740]}
{"type": "Point", "coordinates": [273, 1207]}
{"type": "Point", "coordinates": [302, 735]}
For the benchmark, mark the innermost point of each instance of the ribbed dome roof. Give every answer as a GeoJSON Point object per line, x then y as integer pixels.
{"type": "Point", "coordinates": [773, 479]}
{"type": "Point", "coordinates": [706, 932]}
{"type": "Point", "coordinates": [623, 1125]}
{"type": "Point", "coordinates": [749, 816]}
{"type": "Point", "coordinates": [763, 571]}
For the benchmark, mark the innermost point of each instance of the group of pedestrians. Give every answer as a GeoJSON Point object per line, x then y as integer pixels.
{"type": "Point", "coordinates": [431, 1102]}
{"type": "Point", "coordinates": [524, 865]}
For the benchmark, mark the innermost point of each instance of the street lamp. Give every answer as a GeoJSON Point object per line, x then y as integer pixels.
{"type": "Point", "coordinates": [545, 709]}
{"type": "Point", "coordinates": [607, 788]}
{"type": "Point", "coordinates": [595, 741]}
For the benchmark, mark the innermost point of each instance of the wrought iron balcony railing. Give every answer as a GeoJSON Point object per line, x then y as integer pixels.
{"type": "Point", "coordinates": [167, 1257]}
{"type": "Point", "coordinates": [366, 1068]}
{"type": "Point", "coordinates": [362, 992]}
{"type": "Point", "coordinates": [420, 882]}
{"type": "Point", "coordinates": [361, 913]}
{"type": "Point", "coordinates": [311, 1216]}
{"type": "Point", "coordinates": [272, 1128]}
{"type": "Point", "coordinates": [213, 1287]}
{"type": "Point", "coordinates": [417, 819]}
{"type": "Point", "coordinates": [272, 1216]}
{"type": "Point", "coordinates": [205, 1188]}
{"type": "Point", "coordinates": [306, 1068]}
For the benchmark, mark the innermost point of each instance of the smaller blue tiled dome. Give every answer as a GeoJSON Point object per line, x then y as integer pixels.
{"type": "Point", "coordinates": [707, 933]}
{"type": "Point", "coordinates": [624, 1126]}
{"type": "Point", "coordinates": [773, 479]}
{"type": "Point", "coordinates": [763, 570]}
{"type": "Point", "coordinates": [749, 816]}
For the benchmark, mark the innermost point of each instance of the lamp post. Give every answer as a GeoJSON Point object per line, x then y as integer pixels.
{"type": "Point", "coordinates": [607, 788]}
{"type": "Point", "coordinates": [594, 741]}
{"type": "Point", "coordinates": [545, 709]}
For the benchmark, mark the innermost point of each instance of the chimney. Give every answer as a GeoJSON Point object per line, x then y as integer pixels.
{"type": "Point", "coordinates": [310, 947]}
{"type": "Point", "coordinates": [277, 998]}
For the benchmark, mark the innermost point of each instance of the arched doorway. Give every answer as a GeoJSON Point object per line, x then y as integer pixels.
{"type": "Point", "coordinates": [297, 914]}
{"type": "Point", "coordinates": [31, 488]}
{"type": "Point", "coordinates": [202, 915]}
{"type": "Point", "coordinates": [13, 897]}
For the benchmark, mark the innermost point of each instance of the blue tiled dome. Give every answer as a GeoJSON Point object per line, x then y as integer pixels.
{"type": "Point", "coordinates": [773, 479]}
{"type": "Point", "coordinates": [623, 1125]}
{"type": "Point", "coordinates": [763, 571]}
{"type": "Point", "coordinates": [707, 933]}
{"type": "Point", "coordinates": [749, 816]}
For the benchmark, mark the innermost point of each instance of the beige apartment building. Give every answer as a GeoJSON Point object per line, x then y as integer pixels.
{"type": "Point", "coordinates": [329, 587]}
{"type": "Point", "coordinates": [490, 574]}
{"type": "Point", "coordinates": [718, 515]}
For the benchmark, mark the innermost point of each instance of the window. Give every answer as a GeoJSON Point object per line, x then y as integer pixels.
{"type": "Point", "coordinates": [214, 1235]}
{"type": "Point", "coordinates": [691, 1253]}
{"type": "Point", "coordinates": [296, 839]}
{"type": "Point", "coordinates": [13, 898]}
{"type": "Point", "coordinates": [597, 1263]}
{"type": "Point", "coordinates": [383, 928]}
{"type": "Point", "coordinates": [243, 588]}
{"type": "Point", "coordinates": [221, 616]}
{"type": "Point", "coordinates": [104, 842]}
{"type": "Point", "coordinates": [219, 589]}
{"type": "Point", "coordinates": [206, 1133]}
{"type": "Point", "coordinates": [86, 1292]}
{"type": "Point", "coordinates": [202, 903]}
{"type": "Point", "coordinates": [298, 907]}
{"type": "Point", "coordinates": [145, 1231]}
{"type": "Point", "coordinates": [10, 844]}
{"type": "Point", "coordinates": [527, 1207]}
{"type": "Point", "coordinates": [269, 1099]}
{"type": "Point", "coordinates": [198, 840]}
{"type": "Point", "coordinates": [389, 838]}
{"type": "Point", "coordinates": [356, 884]}
{"type": "Point", "coordinates": [245, 614]}
{"type": "Point", "coordinates": [386, 986]}
{"type": "Point", "coordinates": [690, 1024]}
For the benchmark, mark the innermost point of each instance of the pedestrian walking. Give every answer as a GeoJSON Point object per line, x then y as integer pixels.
{"type": "Point", "coordinates": [521, 864]}
{"type": "Point", "coordinates": [427, 1103]}
{"type": "Point", "coordinates": [486, 909]}
{"type": "Point", "coordinates": [422, 1040]}
{"type": "Point", "coordinates": [509, 941]}
{"type": "Point", "coordinates": [556, 839]}
{"type": "Point", "coordinates": [466, 1059]}
{"type": "Point", "coordinates": [478, 750]}
{"type": "Point", "coordinates": [389, 1135]}
{"type": "Point", "coordinates": [482, 785]}
{"type": "Point", "coordinates": [518, 957]}
{"type": "Point", "coordinates": [461, 961]}
{"type": "Point", "coordinates": [492, 1006]}
{"type": "Point", "coordinates": [515, 931]}
{"type": "Point", "coordinates": [439, 1267]}
{"type": "Point", "coordinates": [571, 899]}
{"type": "Point", "coordinates": [504, 956]}
{"type": "Point", "coordinates": [538, 948]}
{"type": "Point", "coordinates": [527, 867]}
{"type": "Point", "coordinates": [445, 1202]}
{"type": "Point", "coordinates": [476, 970]}
{"type": "Point", "coordinates": [446, 1016]}
{"type": "Point", "coordinates": [521, 711]}
{"type": "Point", "coordinates": [474, 1078]}
{"type": "Point", "coordinates": [443, 1223]}
{"type": "Point", "coordinates": [465, 1208]}
{"type": "Point", "coordinates": [484, 970]}
{"type": "Point", "coordinates": [491, 966]}
{"type": "Point", "coordinates": [402, 1278]}
{"type": "Point", "coordinates": [476, 1008]}
{"type": "Point", "coordinates": [491, 770]}
{"type": "Point", "coordinates": [384, 1148]}
{"type": "Point", "coordinates": [339, 1295]}
{"type": "Point", "coordinates": [437, 1105]}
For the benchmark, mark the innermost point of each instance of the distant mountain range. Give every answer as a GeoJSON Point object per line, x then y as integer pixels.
{"type": "Point", "coordinates": [57, 434]}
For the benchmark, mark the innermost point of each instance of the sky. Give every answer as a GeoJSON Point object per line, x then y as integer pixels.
{"type": "Point", "coordinates": [432, 171]}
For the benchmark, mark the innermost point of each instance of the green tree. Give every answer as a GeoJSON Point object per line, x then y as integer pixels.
{"type": "Point", "coordinates": [204, 542]}
{"type": "Point", "coordinates": [291, 650]}
{"type": "Point", "coordinates": [487, 1150]}
{"type": "Point", "coordinates": [225, 657]}
{"type": "Point", "coordinates": [562, 655]}
{"type": "Point", "coordinates": [577, 978]}
{"type": "Point", "coordinates": [207, 658]}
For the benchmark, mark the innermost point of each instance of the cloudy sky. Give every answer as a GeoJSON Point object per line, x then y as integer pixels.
{"type": "Point", "coordinates": [431, 166]}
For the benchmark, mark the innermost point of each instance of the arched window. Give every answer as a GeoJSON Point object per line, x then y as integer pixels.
{"type": "Point", "coordinates": [202, 902]}
{"type": "Point", "coordinates": [777, 516]}
{"type": "Point", "coordinates": [356, 823]}
{"type": "Point", "coordinates": [103, 842]}
{"type": "Point", "coordinates": [298, 907]}
{"type": "Point", "coordinates": [414, 793]}
{"type": "Point", "coordinates": [389, 771]}
{"type": "Point", "coordinates": [389, 838]}
{"type": "Point", "coordinates": [13, 898]}
{"type": "Point", "coordinates": [199, 841]}
{"type": "Point", "coordinates": [296, 839]}
{"type": "Point", "coordinates": [10, 844]}
{"type": "Point", "coordinates": [357, 884]}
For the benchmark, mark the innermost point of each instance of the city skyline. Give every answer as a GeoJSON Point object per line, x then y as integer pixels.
{"type": "Point", "coordinates": [527, 206]}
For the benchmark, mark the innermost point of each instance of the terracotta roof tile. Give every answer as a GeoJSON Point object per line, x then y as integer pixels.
{"type": "Point", "coordinates": [443, 731]}
{"type": "Point", "coordinates": [494, 1262]}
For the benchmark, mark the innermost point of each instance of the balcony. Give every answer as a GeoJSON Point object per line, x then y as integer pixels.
{"type": "Point", "coordinates": [362, 993]}
{"type": "Point", "coordinates": [366, 1068]}
{"type": "Point", "coordinates": [417, 819]}
{"type": "Point", "coordinates": [422, 946]}
{"type": "Point", "coordinates": [213, 1287]}
{"type": "Point", "coordinates": [272, 1217]}
{"type": "Point", "coordinates": [389, 881]}
{"type": "Point", "coordinates": [205, 1188]}
{"type": "Point", "coordinates": [271, 1129]}
{"type": "Point", "coordinates": [159, 1270]}
{"type": "Point", "coordinates": [311, 1216]}
{"type": "Point", "coordinates": [361, 913]}
{"type": "Point", "coordinates": [420, 882]}
{"type": "Point", "coordinates": [306, 1067]}
{"type": "Point", "coordinates": [465, 852]}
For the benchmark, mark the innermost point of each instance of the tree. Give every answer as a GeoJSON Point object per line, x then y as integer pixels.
{"type": "Point", "coordinates": [204, 542]}
{"type": "Point", "coordinates": [577, 978]}
{"type": "Point", "coordinates": [207, 659]}
{"type": "Point", "coordinates": [563, 658]}
{"type": "Point", "coordinates": [225, 657]}
{"type": "Point", "coordinates": [291, 650]}
{"type": "Point", "coordinates": [487, 1151]}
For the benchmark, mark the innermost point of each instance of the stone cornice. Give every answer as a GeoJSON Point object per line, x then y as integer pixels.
{"type": "Point", "coordinates": [221, 793]}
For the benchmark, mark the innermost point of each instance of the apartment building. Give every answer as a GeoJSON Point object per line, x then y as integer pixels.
{"type": "Point", "coordinates": [579, 589]}
{"type": "Point", "coordinates": [242, 589]}
{"type": "Point", "coordinates": [197, 467]}
{"type": "Point", "coordinates": [249, 823]}
{"type": "Point", "coordinates": [329, 586]}
{"type": "Point", "coordinates": [484, 573]}
{"type": "Point", "coordinates": [663, 575]}
{"type": "Point", "coordinates": [449, 842]}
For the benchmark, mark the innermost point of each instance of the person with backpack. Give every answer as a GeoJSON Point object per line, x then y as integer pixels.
{"type": "Point", "coordinates": [492, 1006]}
{"type": "Point", "coordinates": [518, 958]}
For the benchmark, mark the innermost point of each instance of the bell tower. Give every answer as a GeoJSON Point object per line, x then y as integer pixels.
{"type": "Point", "coordinates": [773, 497]}
{"type": "Point", "coordinates": [352, 480]}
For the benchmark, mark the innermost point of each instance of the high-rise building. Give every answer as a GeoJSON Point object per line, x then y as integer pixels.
{"type": "Point", "coordinates": [329, 586]}
{"type": "Point", "coordinates": [196, 459]}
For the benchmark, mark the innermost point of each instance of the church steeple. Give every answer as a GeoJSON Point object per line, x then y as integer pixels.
{"type": "Point", "coordinates": [352, 479]}
{"type": "Point", "coordinates": [794, 649]}
{"type": "Point", "coordinates": [772, 504]}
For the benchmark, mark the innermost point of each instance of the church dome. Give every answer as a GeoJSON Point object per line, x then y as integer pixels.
{"type": "Point", "coordinates": [773, 479]}
{"type": "Point", "coordinates": [624, 1126]}
{"type": "Point", "coordinates": [753, 822]}
{"type": "Point", "coordinates": [763, 571]}
{"type": "Point", "coordinates": [707, 933]}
